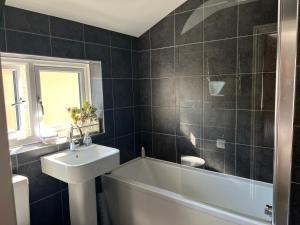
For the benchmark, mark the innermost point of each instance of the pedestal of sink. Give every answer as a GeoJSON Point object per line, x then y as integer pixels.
{"type": "Point", "coordinates": [79, 169]}
{"type": "Point", "coordinates": [83, 205]}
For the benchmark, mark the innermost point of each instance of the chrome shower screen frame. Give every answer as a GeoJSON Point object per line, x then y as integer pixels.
{"type": "Point", "coordinates": [284, 108]}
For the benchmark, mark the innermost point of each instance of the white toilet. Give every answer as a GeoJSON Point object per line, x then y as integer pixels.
{"type": "Point", "coordinates": [21, 193]}
{"type": "Point", "coordinates": [192, 161]}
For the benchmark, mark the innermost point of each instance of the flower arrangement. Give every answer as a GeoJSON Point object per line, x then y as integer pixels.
{"type": "Point", "coordinates": [85, 115]}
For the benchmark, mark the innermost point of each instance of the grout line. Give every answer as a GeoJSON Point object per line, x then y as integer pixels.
{"type": "Point", "coordinates": [46, 197]}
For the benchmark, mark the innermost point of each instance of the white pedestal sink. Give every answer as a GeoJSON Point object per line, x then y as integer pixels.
{"type": "Point", "coordinates": [79, 168]}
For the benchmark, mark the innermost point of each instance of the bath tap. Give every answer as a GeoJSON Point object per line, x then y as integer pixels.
{"type": "Point", "coordinates": [72, 139]}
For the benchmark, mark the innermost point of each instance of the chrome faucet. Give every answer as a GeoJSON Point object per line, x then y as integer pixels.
{"type": "Point", "coordinates": [72, 139]}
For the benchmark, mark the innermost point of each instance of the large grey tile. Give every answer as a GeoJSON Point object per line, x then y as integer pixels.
{"type": "Point", "coordinates": [19, 42]}
{"type": "Point", "coordinates": [23, 20]}
{"type": "Point", "coordinates": [220, 57]}
{"type": "Point", "coordinates": [189, 27]}
{"type": "Point", "coordinates": [67, 49]}
{"type": "Point", "coordinates": [162, 34]}
{"type": "Point", "coordinates": [162, 62]}
{"type": "Point", "coordinates": [66, 29]}
{"type": "Point", "coordinates": [189, 60]}
{"type": "Point", "coordinates": [96, 35]}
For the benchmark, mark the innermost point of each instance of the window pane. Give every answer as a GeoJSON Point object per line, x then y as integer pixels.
{"type": "Point", "coordinates": [59, 91]}
{"type": "Point", "coordinates": [10, 98]}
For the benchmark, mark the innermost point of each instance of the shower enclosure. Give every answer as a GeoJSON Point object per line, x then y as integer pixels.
{"type": "Point", "coordinates": [215, 80]}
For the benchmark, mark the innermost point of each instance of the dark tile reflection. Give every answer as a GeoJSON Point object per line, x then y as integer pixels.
{"type": "Point", "coordinates": [162, 34]}
{"type": "Point", "coordinates": [168, 152]}
{"type": "Point", "coordinates": [253, 14]}
{"type": "Point", "coordinates": [189, 27]}
{"type": "Point", "coordinates": [216, 28]}
{"type": "Point", "coordinates": [189, 60]}
{"type": "Point", "coordinates": [220, 57]}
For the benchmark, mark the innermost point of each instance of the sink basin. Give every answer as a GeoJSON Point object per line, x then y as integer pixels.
{"type": "Point", "coordinates": [79, 168]}
{"type": "Point", "coordinates": [81, 165]}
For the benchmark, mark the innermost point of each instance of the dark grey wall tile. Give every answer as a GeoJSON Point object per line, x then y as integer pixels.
{"type": "Point", "coordinates": [120, 40]}
{"type": "Point", "coordinates": [216, 28]}
{"type": "Point", "coordinates": [214, 158]}
{"type": "Point", "coordinates": [143, 42]}
{"type": "Point", "coordinates": [257, 53]}
{"type": "Point", "coordinates": [143, 64]}
{"type": "Point", "coordinates": [102, 53]}
{"type": "Point", "coordinates": [188, 130]}
{"type": "Point", "coordinates": [189, 60]}
{"type": "Point", "coordinates": [295, 204]}
{"type": "Point", "coordinates": [245, 95]}
{"type": "Point", "coordinates": [123, 93]}
{"type": "Point", "coordinates": [264, 129]}
{"type": "Point", "coordinates": [143, 118]}
{"type": "Point", "coordinates": [23, 20]}
{"type": "Point", "coordinates": [189, 91]}
{"type": "Point", "coordinates": [190, 115]}
{"type": "Point", "coordinates": [265, 87]}
{"type": "Point", "coordinates": [108, 93]}
{"type": "Point", "coordinates": [27, 43]}
{"type": "Point", "coordinates": [219, 133]}
{"type": "Point", "coordinates": [66, 29]}
{"type": "Point", "coordinates": [40, 185]}
{"type": "Point", "coordinates": [163, 92]}
{"type": "Point", "coordinates": [65, 207]}
{"type": "Point", "coordinates": [126, 147]}
{"type": "Point", "coordinates": [164, 120]}
{"type": "Point", "coordinates": [245, 126]}
{"type": "Point", "coordinates": [121, 63]}
{"type": "Point", "coordinates": [230, 161]}
{"type": "Point", "coordinates": [252, 14]}
{"type": "Point", "coordinates": [168, 152]}
{"type": "Point", "coordinates": [162, 62]}
{"type": "Point", "coordinates": [124, 123]}
{"type": "Point", "coordinates": [162, 34]}
{"type": "Point", "coordinates": [67, 49]}
{"type": "Point", "coordinates": [47, 211]}
{"type": "Point", "coordinates": [36, 154]}
{"type": "Point", "coordinates": [244, 161]}
{"type": "Point", "coordinates": [189, 5]}
{"type": "Point", "coordinates": [217, 117]}
{"type": "Point", "coordinates": [220, 57]}
{"type": "Point", "coordinates": [263, 160]}
{"type": "Point", "coordinates": [189, 27]}
{"type": "Point", "coordinates": [142, 92]}
{"type": "Point", "coordinates": [96, 35]}
{"type": "Point", "coordinates": [2, 41]}
{"type": "Point", "coordinates": [108, 127]}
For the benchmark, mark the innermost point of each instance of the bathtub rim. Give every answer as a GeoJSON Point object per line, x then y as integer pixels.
{"type": "Point", "coordinates": [214, 211]}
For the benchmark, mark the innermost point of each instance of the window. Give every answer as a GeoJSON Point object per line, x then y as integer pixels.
{"type": "Point", "coordinates": [38, 91]}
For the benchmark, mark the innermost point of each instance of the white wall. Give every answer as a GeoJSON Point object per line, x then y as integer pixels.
{"type": "Point", "coordinates": [7, 206]}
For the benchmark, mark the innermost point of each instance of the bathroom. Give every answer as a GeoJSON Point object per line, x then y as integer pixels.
{"type": "Point", "coordinates": [160, 112]}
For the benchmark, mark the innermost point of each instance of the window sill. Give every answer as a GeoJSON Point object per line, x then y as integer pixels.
{"type": "Point", "coordinates": [36, 147]}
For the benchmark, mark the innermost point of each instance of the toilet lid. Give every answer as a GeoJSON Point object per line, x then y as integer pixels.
{"type": "Point", "coordinates": [192, 161]}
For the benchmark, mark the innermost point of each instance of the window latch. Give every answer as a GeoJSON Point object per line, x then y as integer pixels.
{"type": "Point", "coordinates": [18, 102]}
{"type": "Point", "coordinates": [40, 102]}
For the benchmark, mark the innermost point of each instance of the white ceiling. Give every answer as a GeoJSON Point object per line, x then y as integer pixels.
{"type": "Point", "coordinates": [132, 17]}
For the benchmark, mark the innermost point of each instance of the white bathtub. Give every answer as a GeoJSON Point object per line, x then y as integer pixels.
{"type": "Point", "coordinates": [153, 192]}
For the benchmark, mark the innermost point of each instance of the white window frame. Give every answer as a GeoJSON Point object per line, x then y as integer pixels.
{"type": "Point", "coordinates": [33, 65]}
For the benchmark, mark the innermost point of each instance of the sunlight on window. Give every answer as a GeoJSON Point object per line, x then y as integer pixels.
{"type": "Point", "coordinates": [59, 90]}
